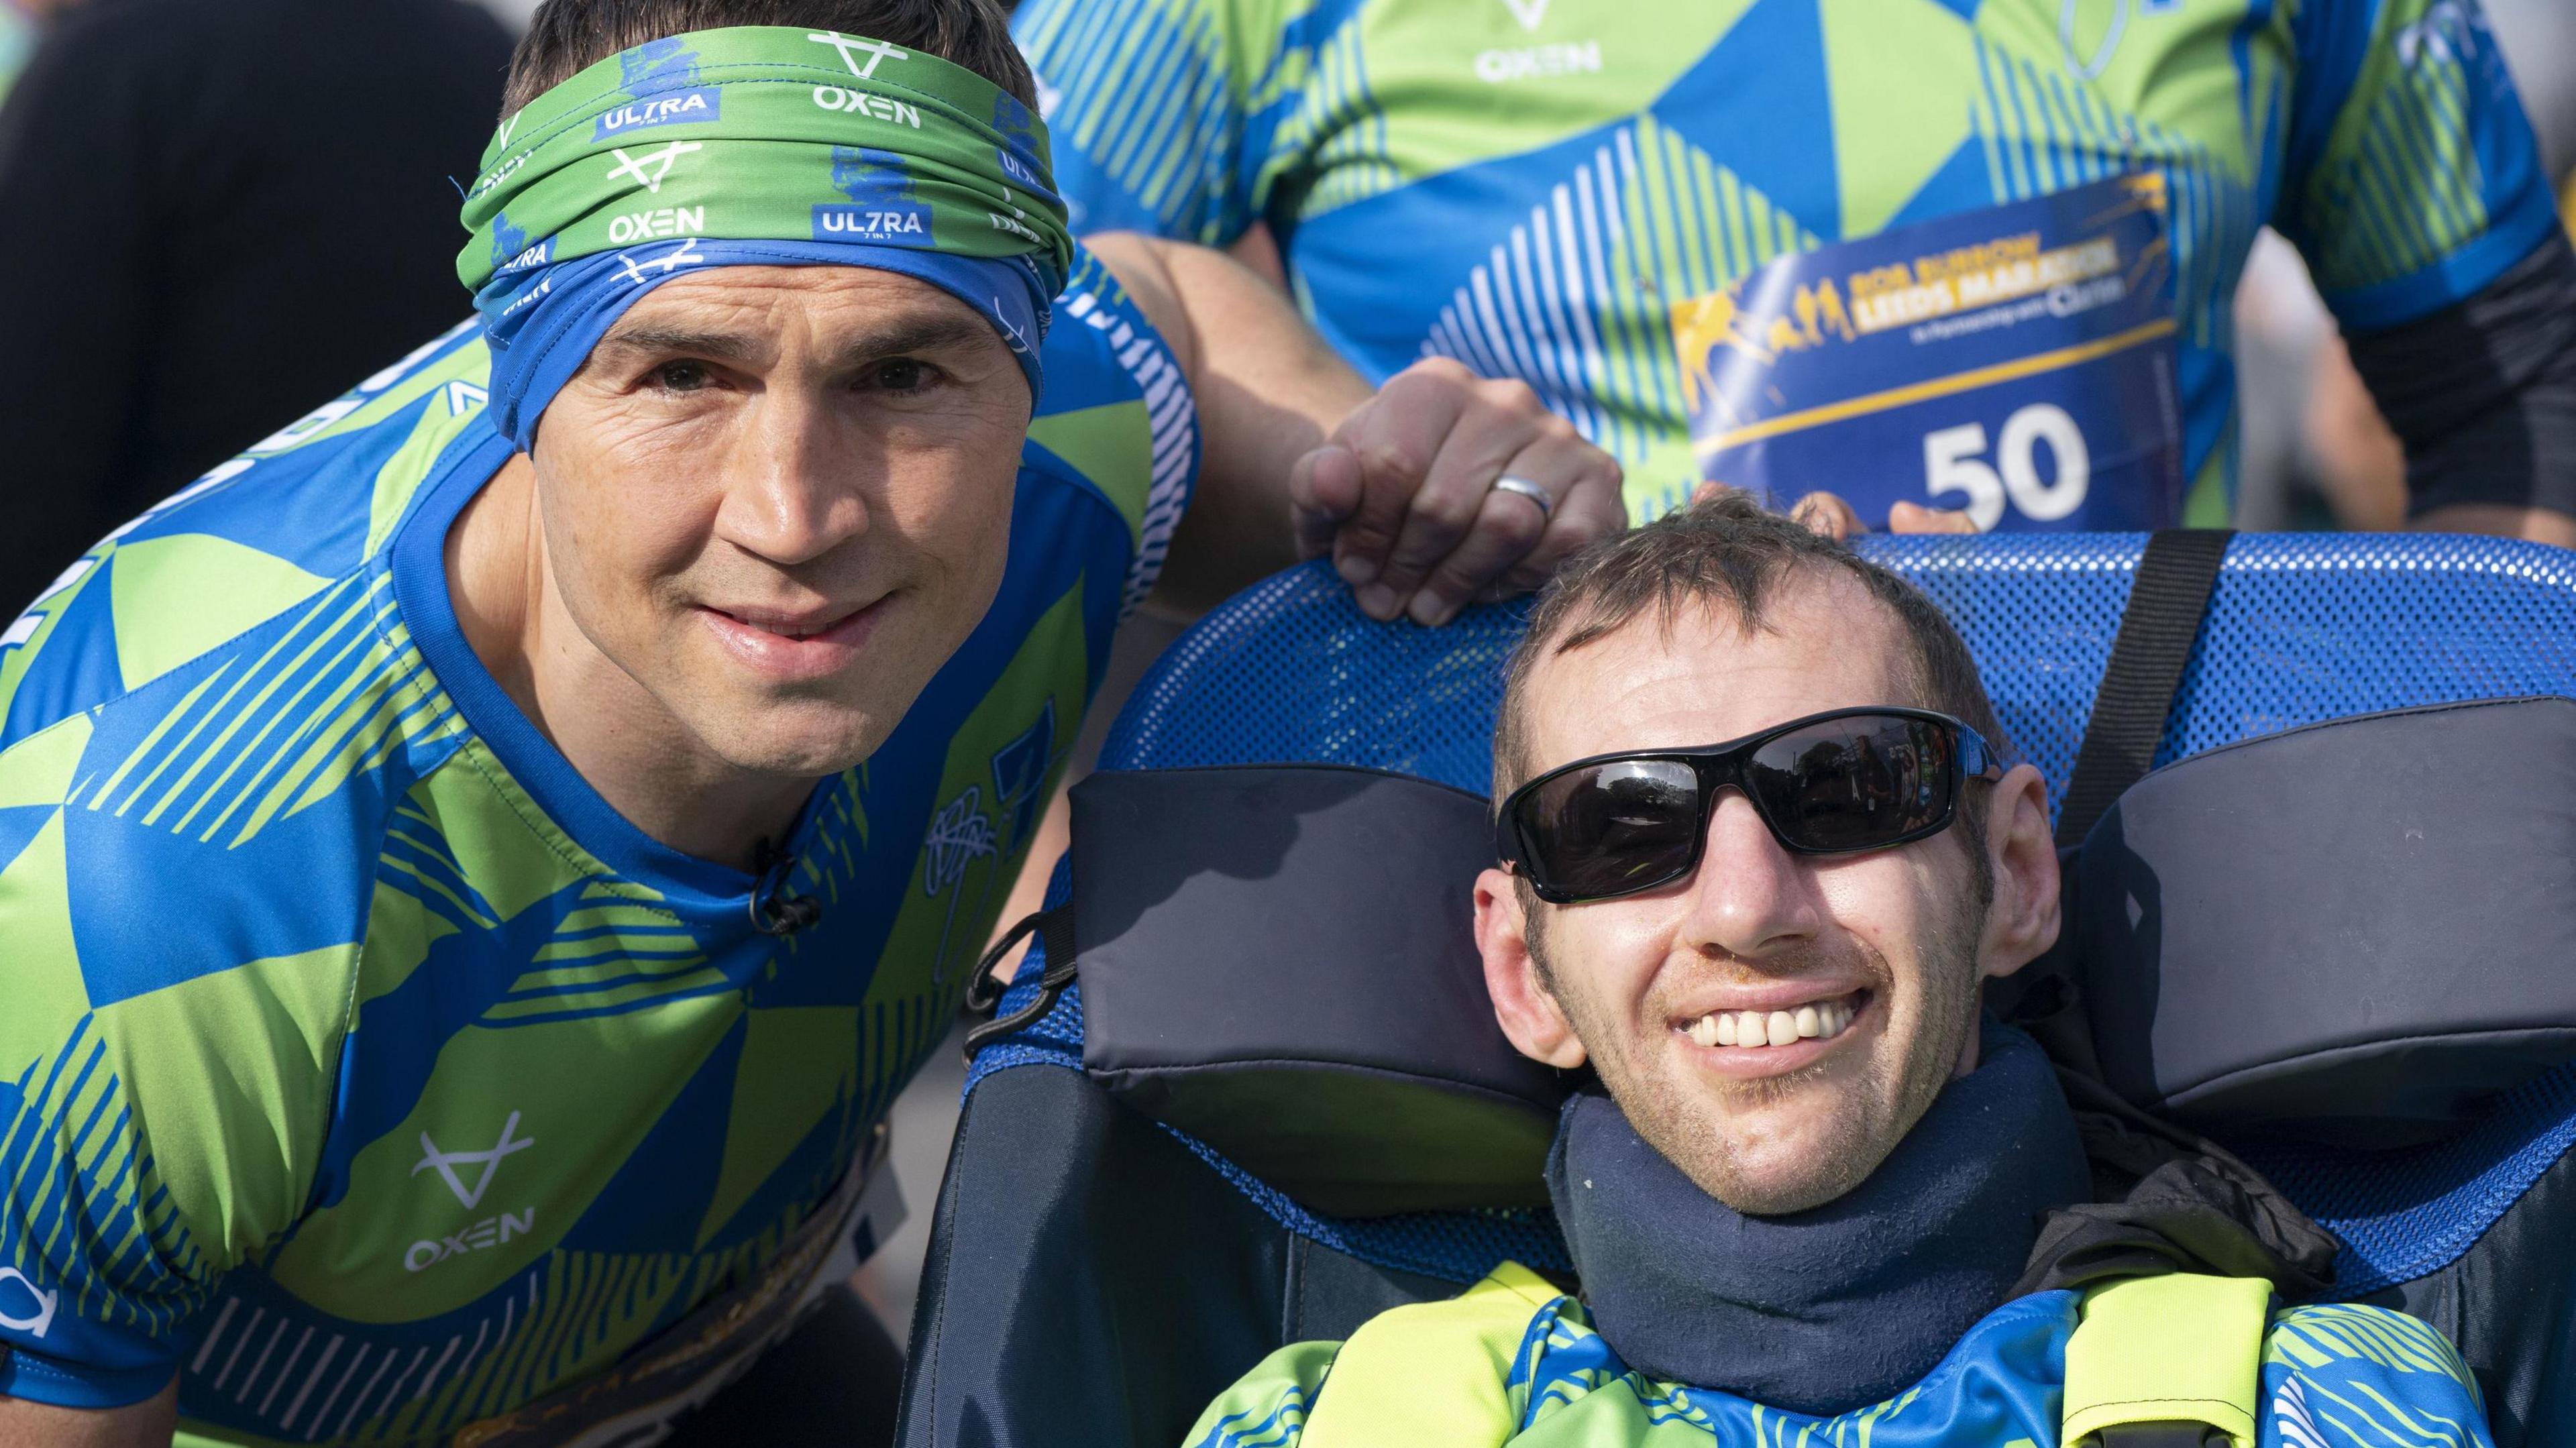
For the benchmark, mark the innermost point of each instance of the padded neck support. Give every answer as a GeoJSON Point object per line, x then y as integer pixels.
{"type": "Point", "coordinates": [1280, 961]}
{"type": "Point", "coordinates": [2354, 932]}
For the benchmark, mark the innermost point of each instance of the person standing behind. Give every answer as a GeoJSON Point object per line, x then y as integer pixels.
{"type": "Point", "coordinates": [219, 210]}
{"type": "Point", "coordinates": [1532, 187]}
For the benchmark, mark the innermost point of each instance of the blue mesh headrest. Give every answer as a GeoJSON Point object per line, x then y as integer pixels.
{"type": "Point", "coordinates": [2301, 629]}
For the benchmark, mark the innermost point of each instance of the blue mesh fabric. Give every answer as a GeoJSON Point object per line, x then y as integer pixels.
{"type": "Point", "coordinates": [2302, 628]}
{"type": "Point", "coordinates": [2404, 1214]}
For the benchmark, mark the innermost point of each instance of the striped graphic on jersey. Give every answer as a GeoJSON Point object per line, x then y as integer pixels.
{"type": "Point", "coordinates": [67, 1158]}
{"type": "Point", "coordinates": [336, 693]}
{"type": "Point", "coordinates": [1337, 104]}
{"type": "Point", "coordinates": [299, 1375]}
{"type": "Point", "coordinates": [2313, 1337]}
{"type": "Point", "coordinates": [610, 950]}
{"type": "Point", "coordinates": [2290, 1415]}
{"type": "Point", "coordinates": [1142, 92]}
{"type": "Point", "coordinates": [2044, 134]}
{"type": "Point", "coordinates": [294, 1374]}
{"type": "Point", "coordinates": [613, 952]}
{"type": "Point", "coordinates": [1572, 301]}
{"type": "Point", "coordinates": [895, 1037]}
{"type": "Point", "coordinates": [1175, 427]}
{"type": "Point", "coordinates": [2411, 192]}
{"type": "Point", "coordinates": [831, 858]}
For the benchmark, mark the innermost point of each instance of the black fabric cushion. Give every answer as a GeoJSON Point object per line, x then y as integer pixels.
{"type": "Point", "coordinates": [1091, 1283]}
{"type": "Point", "coordinates": [2354, 932]}
{"type": "Point", "coordinates": [1280, 962]}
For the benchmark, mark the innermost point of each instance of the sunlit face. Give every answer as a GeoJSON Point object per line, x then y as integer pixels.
{"type": "Point", "coordinates": [1888, 943]}
{"type": "Point", "coordinates": [780, 498]}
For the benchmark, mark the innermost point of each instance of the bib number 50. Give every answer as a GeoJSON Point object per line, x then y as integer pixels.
{"type": "Point", "coordinates": [1954, 461]}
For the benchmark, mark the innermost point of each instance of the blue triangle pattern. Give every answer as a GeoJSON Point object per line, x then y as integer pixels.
{"type": "Point", "coordinates": [1760, 99]}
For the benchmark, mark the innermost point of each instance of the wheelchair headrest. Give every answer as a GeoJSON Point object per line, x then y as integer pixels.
{"type": "Point", "coordinates": [2347, 933]}
{"type": "Point", "coordinates": [1280, 962]}
{"type": "Point", "coordinates": [2352, 932]}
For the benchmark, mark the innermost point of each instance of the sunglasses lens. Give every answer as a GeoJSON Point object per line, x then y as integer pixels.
{"type": "Point", "coordinates": [1613, 828]}
{"type": "Point", "coordinates": [1856, 783]}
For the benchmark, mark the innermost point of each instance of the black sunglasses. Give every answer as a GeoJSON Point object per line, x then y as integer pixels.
{"type": "Point", "coordinates": [1827, 784]}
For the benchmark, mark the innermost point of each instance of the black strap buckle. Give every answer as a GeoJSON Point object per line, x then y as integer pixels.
{"type": "Point", "coordinates": [1054, 929]}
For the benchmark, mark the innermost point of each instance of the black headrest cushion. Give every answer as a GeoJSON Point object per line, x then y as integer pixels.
{"type": "Point", "coordinates": [2357, 931]}
{"type": "Point", "coordinates": [1280, 962]}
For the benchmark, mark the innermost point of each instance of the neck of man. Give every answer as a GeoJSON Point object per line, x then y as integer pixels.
{"type": "Point", "coordinates": [625, 744]}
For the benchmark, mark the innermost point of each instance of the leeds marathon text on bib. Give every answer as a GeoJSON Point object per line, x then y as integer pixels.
{"type": "Point", "coordinates": [2017, 363]}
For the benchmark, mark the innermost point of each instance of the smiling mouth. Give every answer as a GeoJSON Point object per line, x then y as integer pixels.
{"type": "Point", "coordinates": [1818, 1020]}
{"type": "Point", "coordinates": [787, 628]}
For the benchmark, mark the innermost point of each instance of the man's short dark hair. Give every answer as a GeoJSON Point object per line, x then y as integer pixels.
{"type": "Point", "coordinates": [566, 37]}
{"type": "Point", "coordinates": [1729, 554]}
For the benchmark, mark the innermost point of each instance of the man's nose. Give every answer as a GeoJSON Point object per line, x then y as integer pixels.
{"type": "Point", "coordinates": [1751, 898]}
{"type": "Point", "coordinates": [791, 494]}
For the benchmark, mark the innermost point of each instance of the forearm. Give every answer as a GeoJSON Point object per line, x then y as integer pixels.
{"type": "Point", "coordinates": [41, 1425]}
{"type": "Point", "coordinates": [1268, 392]}
{"type": "Point", "coordinates": [2483, 396]}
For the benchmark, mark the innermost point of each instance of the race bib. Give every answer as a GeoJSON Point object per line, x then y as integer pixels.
{"type": "Point", "coordinates": [2015, 363]}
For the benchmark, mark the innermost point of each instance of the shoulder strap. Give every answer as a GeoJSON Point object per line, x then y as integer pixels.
{"type": "Point", "coordinates": [2174, 1361]}
{"type": "Point", "coordinates": [1432, 1372]}
{"type": "Point", "coordinates": [2166, 603]}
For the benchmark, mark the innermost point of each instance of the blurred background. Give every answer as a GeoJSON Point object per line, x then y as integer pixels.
{"type": "Point", "coordinates": [167, 356]}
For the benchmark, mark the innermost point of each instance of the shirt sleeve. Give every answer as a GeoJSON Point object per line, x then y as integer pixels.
{"type": "Point", "coordinates": [1163, 113]}
{"type": "Point", "coordinates": [1118, 415]}
{"type": "Point", "coordinates": [152, 1134]}
{"type": "Point", "coordinates": [1267, 1408]}
{"type": "Point", "coordinates": [2366, 1377]}
{"type": "Point", "coordinates": [2412, 176]}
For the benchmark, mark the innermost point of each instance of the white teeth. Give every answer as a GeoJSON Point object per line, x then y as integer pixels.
{"type": "Point", "coordinates": [1821, 1020]}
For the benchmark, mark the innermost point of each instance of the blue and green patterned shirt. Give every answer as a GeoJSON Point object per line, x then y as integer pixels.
{"type": "Point", "coordinates": [358, 1064]}
{"type": "Point", "coordinates": [1530, 186]}
{"type": "Point", "coordinates": [2331, 1377]}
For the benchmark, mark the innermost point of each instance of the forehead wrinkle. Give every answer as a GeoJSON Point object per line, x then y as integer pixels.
{"type": "Point", "coordinates": [1567, 688]}
{"type": "Point", "coordinates": [896, 337]}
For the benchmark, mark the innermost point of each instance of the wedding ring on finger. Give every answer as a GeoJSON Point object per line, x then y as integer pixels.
{"type": "Point", "coordinates": [1527, 489]}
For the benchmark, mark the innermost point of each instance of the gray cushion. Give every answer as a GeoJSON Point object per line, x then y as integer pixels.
{"type": "Point", "coordinates": [1280, 961]}
{"type": "Point", "coordinates": [2357, 931]}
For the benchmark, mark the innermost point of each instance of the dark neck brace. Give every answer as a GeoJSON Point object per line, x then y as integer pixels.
{"type": "Point", "coordinates": [1840, 1306]}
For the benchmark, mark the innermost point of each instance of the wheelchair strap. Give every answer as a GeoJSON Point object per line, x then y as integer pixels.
{"type": "Point", "coordinates": [2167, 601]}
{"type": "Point", "coordinates": [2167, 1362]}
{"type": "Point", "coordinates": [1433, 1372]}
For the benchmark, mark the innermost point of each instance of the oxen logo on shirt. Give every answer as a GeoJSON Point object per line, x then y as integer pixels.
{"type": "Point", "coordinates": [446, 1162]}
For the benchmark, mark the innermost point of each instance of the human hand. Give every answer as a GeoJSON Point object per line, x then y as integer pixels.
{"type": "Point", "coordinates": [1403, 496]}
{"type": "Point", "coordinates": [1829, 515]}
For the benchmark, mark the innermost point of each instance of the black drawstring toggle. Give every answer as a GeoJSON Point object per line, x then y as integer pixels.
{"type": "Point", "coordinates": [775, 909]}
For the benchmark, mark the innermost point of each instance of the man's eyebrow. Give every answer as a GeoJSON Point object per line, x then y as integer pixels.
{"type": "Point", "coordinates": [717, 346]}
{"type": "Point", "coordinates": [917, 334]}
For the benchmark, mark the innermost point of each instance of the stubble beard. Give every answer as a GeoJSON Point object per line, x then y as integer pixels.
{"type": "Point", "coordinates": [1690, 1116]}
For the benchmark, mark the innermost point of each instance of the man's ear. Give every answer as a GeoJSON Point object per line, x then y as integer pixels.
{"type": "Point", "coordinates": [2024, 919]}
{"type": "Point", "coordinates": [1529, 1016]}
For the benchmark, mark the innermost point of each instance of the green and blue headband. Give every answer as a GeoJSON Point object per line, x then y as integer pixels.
{"type": "Point", "coordinates": [753, 146]}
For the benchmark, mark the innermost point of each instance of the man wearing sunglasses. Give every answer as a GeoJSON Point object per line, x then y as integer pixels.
{"type": "Point", "coordinates": [1759, 848]}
